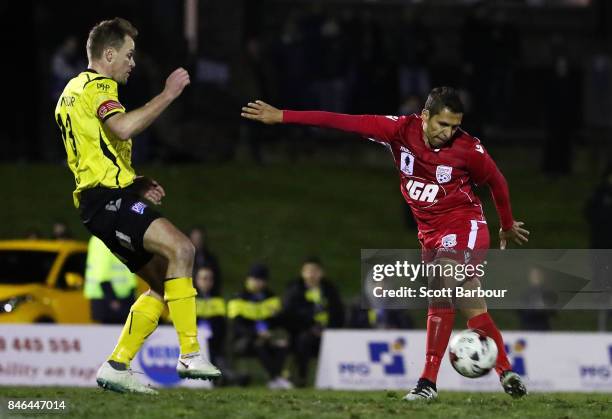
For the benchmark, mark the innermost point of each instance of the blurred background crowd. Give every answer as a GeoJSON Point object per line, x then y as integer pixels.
{"type": "Point", "coordinates": [530, 70]}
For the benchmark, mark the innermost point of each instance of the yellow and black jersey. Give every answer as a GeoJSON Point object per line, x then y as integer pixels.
{"type": "Point", "coordinates": [254, 307]}
{"type": "Point", "coordinates": [96, 157]}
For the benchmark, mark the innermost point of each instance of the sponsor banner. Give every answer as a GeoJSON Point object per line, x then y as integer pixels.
{"type": "Point", "coordinates": [388, 359]}
{"type": "Point", "coordinates": [38, 355]}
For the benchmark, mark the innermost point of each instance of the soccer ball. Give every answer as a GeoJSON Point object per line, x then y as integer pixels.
{"type": "Point", "coordinates": [472, 354]}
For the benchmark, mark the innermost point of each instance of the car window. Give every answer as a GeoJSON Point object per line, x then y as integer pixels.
{"type": "Point", "coordinates": [25, 266]}
{"type": "Point", "coordinates": [74, 263]}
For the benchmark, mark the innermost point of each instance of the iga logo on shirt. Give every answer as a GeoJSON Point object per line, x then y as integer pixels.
{"type": "Point", "coordinates": [420, 191]}
{"type": "Point", "coordinates": [443, 173]}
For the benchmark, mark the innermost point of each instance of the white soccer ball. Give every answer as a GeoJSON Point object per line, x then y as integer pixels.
{"type": "Point", "coordinates": [472, 354]}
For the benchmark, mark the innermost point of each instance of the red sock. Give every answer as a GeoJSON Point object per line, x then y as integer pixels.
{"type": "Point", "coordinates": [439, 327]}
{"type": "Point", "coordinates": [485, 323]}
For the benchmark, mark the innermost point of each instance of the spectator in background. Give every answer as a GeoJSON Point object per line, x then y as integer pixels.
{"type": "Point", "coordinates": [330, 86]}
{"type": "Point", "coordinates": [597, 107]}
{"type": "Point", "coordinates": [562, 111]}
{"type": "Point", "coordinates": [109, 284]}
{"type": "Point", "coordinates": [311, 303]}
{"type": "Point", "coordinates": [60, 231]}
{"type": "Point", "coordinates": [65, 64]}
{"type": "Point", "coordinates": [597, 212]}
{"type": "Point", "coordinates": [253, 77]}
{"type": "Point", "coordinates": [538, 297]}
{"type": "Point", "coordinates": [211, 312]}
{"type": "Point", "coordinates": [416, 47]}
{"type": "Point", "coordinates": [255, 321]}
{"type": "Point", "coordinates": [33, 234]}
{"type": "Point", "coordinates": [204, 256]}
{"type": "Point", "coordinates": [363, 318]}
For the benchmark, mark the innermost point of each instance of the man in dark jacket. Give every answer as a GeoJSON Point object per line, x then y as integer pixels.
{"type": "Point", "coordinates": [254, 315]}
{"type": "Point", "coordinates": [311, 304]}
{"type": "Point", "coordinates": [211, 315]}
{"type": "Point", "coordinates": [597, 212]}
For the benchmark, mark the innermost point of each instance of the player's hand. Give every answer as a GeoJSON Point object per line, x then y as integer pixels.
{"type": "Point", "coordinates": [149, 189]}
{"type": "Point", "coordinates": [262, 112]}
{"type": "Point", "coordinates": [516, 233]}
{"type": "Point", "coordinates": [155, 192]}
{"type": "Point", "coordinates": [176, 82]}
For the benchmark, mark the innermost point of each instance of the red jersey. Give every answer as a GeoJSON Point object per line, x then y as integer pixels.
{"type": "Point", "coordinates": [436, 183]}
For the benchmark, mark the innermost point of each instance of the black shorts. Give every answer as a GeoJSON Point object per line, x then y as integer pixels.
{"type": "Point", "coordinates": [120, 218]}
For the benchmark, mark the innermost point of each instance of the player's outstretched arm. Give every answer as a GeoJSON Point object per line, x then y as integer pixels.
{"type": "Point", "coordinates": [382, 128]}
{"type": "Point", "coordinates": [262, 112]}
{"type": "Point", "coordinates": [126, 125]}
{"type": "Point", "coordinates": [516, 233]}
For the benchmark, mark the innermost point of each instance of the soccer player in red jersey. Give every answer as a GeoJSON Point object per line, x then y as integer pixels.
{"type": "Point", "coordinates": [438, 164]}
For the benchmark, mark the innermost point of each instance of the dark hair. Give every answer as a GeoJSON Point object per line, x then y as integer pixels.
{"type": "Point", "coordinates": [315, 260]}
{"type": "Point", "coordinates": [259, 271]}
{"type": "Point", "coordinates": [443, 97]}
{"type": "Point", "coordinates": [109, 33]}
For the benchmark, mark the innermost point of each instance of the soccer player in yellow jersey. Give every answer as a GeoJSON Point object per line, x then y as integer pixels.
{"type": "Point", "coordinates": [115, 204]}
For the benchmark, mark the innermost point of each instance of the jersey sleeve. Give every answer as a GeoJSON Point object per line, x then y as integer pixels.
{"type": "Point", "coordinates": [104, 98]}
{"type": "Point", "coordinates": [379, 128]}
{"type": "Point", "coordinates": [483, 170]}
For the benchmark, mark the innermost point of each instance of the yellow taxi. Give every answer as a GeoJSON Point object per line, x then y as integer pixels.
{"type": "Point", "coordinates": [41, 281]}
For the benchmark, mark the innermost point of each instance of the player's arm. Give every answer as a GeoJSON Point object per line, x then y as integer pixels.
{"type": "Point", "coordinates": [510, 229]}
{"type": "Point", "coordinates": [483, 170]}
{"type": "Point", "coordinates": [372, 126]}
{"type": "Point", "coordinates": [126, 125]}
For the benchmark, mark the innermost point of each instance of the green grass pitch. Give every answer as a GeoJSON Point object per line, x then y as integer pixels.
{"type": "Point", "coordinates": [259, 402]}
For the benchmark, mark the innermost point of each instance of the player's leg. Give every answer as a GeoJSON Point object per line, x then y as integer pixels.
{"type": "Point", "coordinates": [475, 310]}
{"type": "Point", "coordinates": [121, 227]}
{"type": "Point", "coordinates": [476, 240]}
{"type": "Point", "coordinates": [144, 314]}
{"type": "Point", "coordinates": [163, 238]}
{"type": "Point", "coordinates": [440, 320]}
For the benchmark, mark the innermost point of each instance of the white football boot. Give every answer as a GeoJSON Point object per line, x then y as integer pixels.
{"type": "Point", "coordinates": [196, 367]}
{"type": "Point", "coordinates": [513, 384]}
{"type": "Point", "coordinates": [121, 381]}
{"type": "Point", "coordinates": [280, 383]}
{"type": "Point", "coordinates": [425, 390]}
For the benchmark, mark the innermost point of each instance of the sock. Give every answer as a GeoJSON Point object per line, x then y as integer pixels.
{"type": "Point", "coordinates": [439, 326]}
{"type": "Point", "coordinates": [180, 294]}
{"type": "Point", "coordinates": [485, 323]}
{"type": "Point", "coordinates": [140, 323]}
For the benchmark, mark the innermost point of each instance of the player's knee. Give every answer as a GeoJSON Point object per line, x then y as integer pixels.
{"type": "Point", "coordinates": [184, 252]}
{"type": "Point", "coordinates": [471, 312]}
{"type": "Point", "coordinates": [438, 303]}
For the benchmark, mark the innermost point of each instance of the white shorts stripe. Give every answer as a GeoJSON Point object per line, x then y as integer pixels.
{"type": "Point", "coordinates": [473, 234]}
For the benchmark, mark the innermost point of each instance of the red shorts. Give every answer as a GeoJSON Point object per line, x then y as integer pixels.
{"type": "Point", "coordinates": [463, 240]}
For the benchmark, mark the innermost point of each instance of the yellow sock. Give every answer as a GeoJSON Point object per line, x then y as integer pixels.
{"type": "Point", "coordinates": [141, 322]}
{"type": "Point", "coordinates": [180, 294]}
